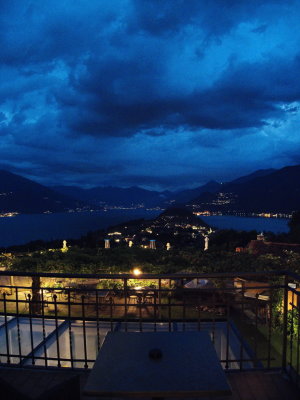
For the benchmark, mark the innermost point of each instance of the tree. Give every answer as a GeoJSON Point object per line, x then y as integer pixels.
{"type": "Point", "coordinates": [34, 263]}
{"type": "Point", "coordinates": [294, 225]}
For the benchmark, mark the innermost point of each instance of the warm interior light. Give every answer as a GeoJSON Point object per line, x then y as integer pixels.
{"type": "Point", "coordinates": [137, 271]}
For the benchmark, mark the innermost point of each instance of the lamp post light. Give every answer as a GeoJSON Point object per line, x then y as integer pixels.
{"type": "Point", "coordinates": [136, 272]}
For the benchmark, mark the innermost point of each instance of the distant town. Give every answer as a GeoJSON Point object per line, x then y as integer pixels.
{"type": "Point", "coordinates": [260, 194]}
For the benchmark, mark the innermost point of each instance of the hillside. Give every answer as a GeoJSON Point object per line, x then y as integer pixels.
{"type": "Point", "coordinates": [256, 174]}
{"type": "Point", "coordinates": [186, 195]}
{"type": "Point", "coordinates": [178, 215]}
{"type": "Point", "coordinates": [177, 226]}
{"type": "Point", "coordinates": [19, 194]}
{"type": "Point", "coordinates": [276, 192]}
{"type": "Point", "coordinates": [115, 196]}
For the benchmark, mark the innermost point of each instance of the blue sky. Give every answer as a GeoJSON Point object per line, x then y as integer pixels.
{"type": "Point", "coordinates": [163, 94]}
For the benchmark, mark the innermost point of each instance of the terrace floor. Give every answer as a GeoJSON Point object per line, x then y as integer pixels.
{"type": "Point", "coordinates": [31, 384]}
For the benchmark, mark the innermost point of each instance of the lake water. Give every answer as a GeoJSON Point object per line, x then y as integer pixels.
{"type": "Point", "coordinates": [27, 227]}
{"type": "Point", "coordinates": [276, 225]}
{"type": "Point", "coordinates": [24, 228]}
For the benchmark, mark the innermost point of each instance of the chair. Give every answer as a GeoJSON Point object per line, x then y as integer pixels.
{"type": "Point", "coordinates": [59, 293]}
{"type": "Point", "coordinates": [133, 296]}
{"type": "Point", "coordinates": [148, 297]}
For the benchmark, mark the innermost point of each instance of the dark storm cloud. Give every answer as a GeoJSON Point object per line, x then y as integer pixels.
{"type": "Point", "coordinates": [77, 76]}
{"type": "Point", "coordinates": [260, 29]}
{"type": "Point", "coordinates": [245, 96]}
{"type": "Point", "coordinates": [39, 33]}
{"type": "Point", "coordinates": [125, 93]}
{"type": "Point", "coordinates": [214, 17]}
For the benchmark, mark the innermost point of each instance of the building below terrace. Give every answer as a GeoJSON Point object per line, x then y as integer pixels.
{"type": "Point", "coordinates": [261, 246]}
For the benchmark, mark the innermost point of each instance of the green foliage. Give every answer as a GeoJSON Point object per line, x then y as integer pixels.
{"type": "Point", "coordinates": [110, 284]}
{"type": "Point", "coordinates": [229, 239]}
{"type": "Point", "coordinates": [292, 322]}
{"type": "Point", "coordinates": [124, 259]}
{"type": "Point", "coordinates": [143, 283]}
{"type": "Point", "coordinates": [293, 262]}
{"type": "Point", "coordinates": [294, 225]}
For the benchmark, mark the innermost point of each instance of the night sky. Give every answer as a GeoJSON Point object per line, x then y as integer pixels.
{"type": "Point", "coordinates": [164, 94]}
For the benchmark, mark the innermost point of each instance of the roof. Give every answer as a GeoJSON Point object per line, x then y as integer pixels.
{"type": "Point", "coordinates": [263, 247]}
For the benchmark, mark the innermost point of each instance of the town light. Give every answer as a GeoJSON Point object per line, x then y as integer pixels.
{"type": "Point", "coordinates": [137, 272]}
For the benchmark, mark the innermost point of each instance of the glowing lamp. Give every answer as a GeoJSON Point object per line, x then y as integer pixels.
{"type": "Point", "coordinates": [137, 272]}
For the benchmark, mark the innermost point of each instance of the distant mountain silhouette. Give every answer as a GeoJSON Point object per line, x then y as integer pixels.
{"type": "Point", "coordinates": [257, 174]}
{"type": "Point", "coordinates": [134, 196]}
{"type": "Point", "coordinates": [25, 196]}
{"type": "Point", "coordinates": [186, 195]}
{"type": "Point", "coordinates": [278, 191]}
{"type": "Point", "coordinates": [262, 191]}
{"type": "Point", "coordinates": [115, 196]}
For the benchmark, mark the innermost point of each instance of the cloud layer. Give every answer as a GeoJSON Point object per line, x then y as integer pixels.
{"type": "Point", "coordinates": [157, 94]}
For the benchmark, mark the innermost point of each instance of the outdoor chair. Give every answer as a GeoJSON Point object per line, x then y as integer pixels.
{"type": "Point", "coordinates": [133, 296]}
{"type": "Point", "coordinates": [148, 297]}
{"type": "Point", "coordinates": [59, 293]}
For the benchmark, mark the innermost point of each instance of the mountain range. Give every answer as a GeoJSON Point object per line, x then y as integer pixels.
{"type": "Point", "coordinates": [19, 194]}
{"type": "Point", "coordinates": [115, 196]}
{"type": "Point", "coordinates": [266, 190]}
{"type": "Point", "coordinates": [275, 191]}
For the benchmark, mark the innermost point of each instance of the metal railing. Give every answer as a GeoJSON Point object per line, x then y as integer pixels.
{"type": "Point", "coordinates": [252, 318]}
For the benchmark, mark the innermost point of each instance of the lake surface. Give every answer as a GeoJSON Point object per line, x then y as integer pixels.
{"type": "Point", "coordinates": [27, 227]}
{"type": "Point", "coordinates": [276, 225]}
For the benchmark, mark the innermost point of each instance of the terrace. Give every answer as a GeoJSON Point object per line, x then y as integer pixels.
{"type": "Point", "coordinates": [52, 326]}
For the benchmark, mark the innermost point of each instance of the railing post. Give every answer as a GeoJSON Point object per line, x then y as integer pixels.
{"type": "Point", "coordinates": [285, 321]}
{"type": "Point", "coordinates": [56, 330]}
{"type": "Point", "coordinates": [70, 328]}
{"type": "Point", "coordinates": [43, 325]}
{"type": "Point", "coordinates": [6, 329]}
{"type": "Point", "coordinates": [18, 325]}
{"type": "Point", "coordinates": [84, 332]}
{"type": "Point", "coordinates": [159, 299]}
{"type": "Point", "coordinates": [125, 302]}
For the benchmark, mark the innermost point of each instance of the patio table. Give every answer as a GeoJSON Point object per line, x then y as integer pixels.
{"type": "Point", "coordinates": [157, 364]}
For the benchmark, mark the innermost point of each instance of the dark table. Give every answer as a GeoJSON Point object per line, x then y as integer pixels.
{"type": "Point", "coordinates": [188, 367]}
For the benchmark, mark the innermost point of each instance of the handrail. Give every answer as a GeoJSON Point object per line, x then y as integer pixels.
{"type": "Point", "coordinates": [144, 276]}
{"type": "Point", "coordinates": [214, 305]}
{"type": "Point", "coordinates": [292, 275]}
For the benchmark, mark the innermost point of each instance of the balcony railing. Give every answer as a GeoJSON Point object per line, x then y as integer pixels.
{"type": "Point", "coordinates": [60, 320]}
